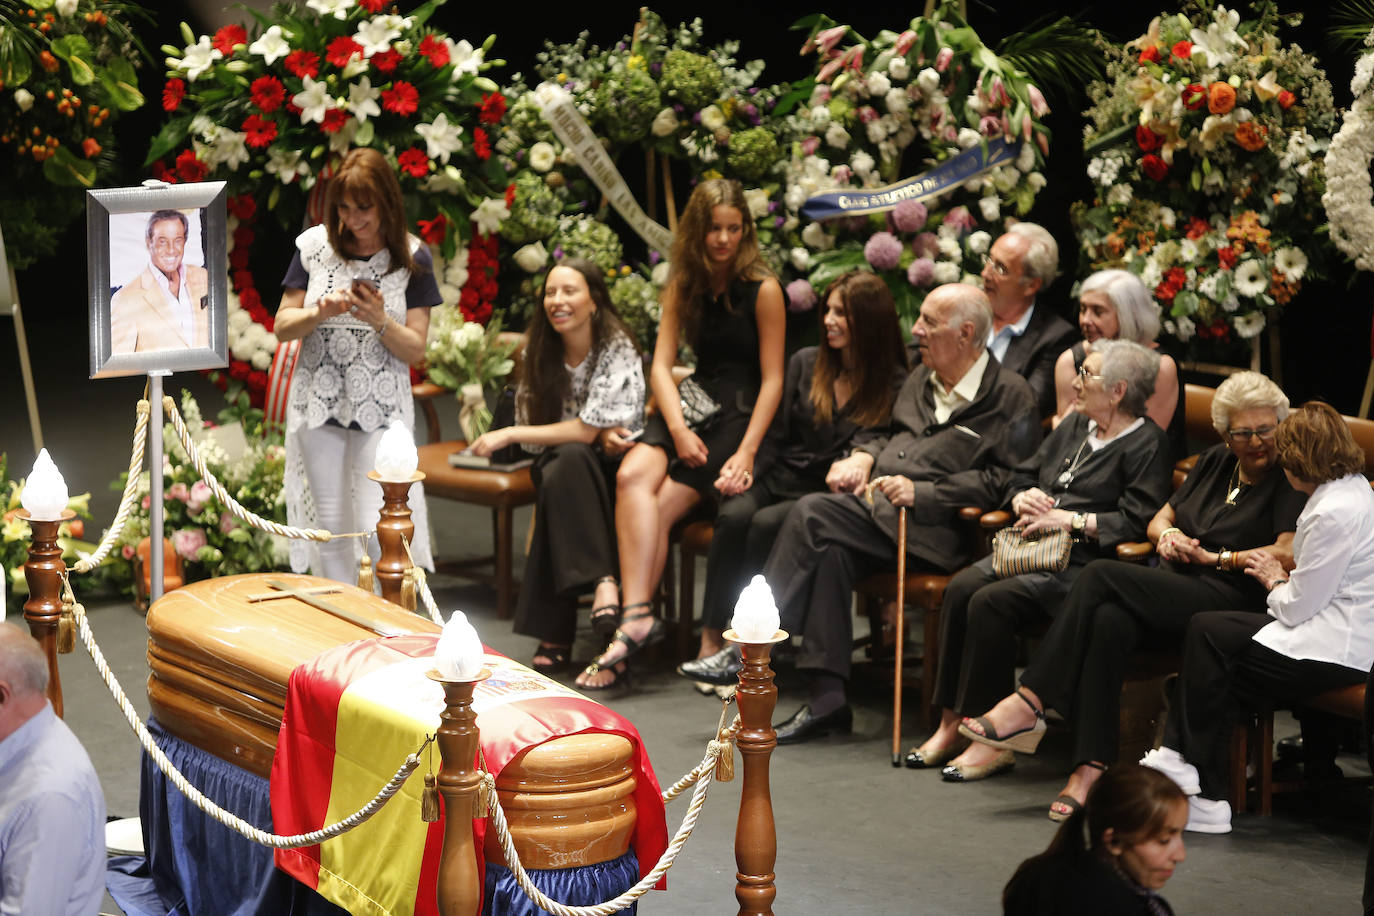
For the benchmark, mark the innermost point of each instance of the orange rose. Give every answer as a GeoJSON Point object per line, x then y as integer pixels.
{"type": "Point", "coordinates": [1250, 136]}
{"type": "Point", "coordinates": [1221, 98]}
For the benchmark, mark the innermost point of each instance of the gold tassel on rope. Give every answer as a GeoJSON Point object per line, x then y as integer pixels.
{"type": "Point", "coordinates": [429, 798]}
{"type": "Point", "coordinates": [725, 763]}
{"type": "Point", "coordinates": [408, 589]}
{"type": "Point", "coordinates": [66, 625]}
{"type": "Point", "coordinates": [481, 799]}
{"type": "Point", "coordinates": [365, 581]}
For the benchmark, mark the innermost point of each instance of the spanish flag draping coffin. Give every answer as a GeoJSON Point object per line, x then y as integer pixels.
{"type": "Point", "coordinates": [221, 653]}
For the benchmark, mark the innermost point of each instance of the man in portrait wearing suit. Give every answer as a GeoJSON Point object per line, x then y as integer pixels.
{"type": "Point", "coordinates": [165, 306]}
{"type": "Point", "coordinates": [1027, 336]}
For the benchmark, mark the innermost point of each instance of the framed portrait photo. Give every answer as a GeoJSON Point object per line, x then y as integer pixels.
{"type": "Point", "coordinates": [156, 258]}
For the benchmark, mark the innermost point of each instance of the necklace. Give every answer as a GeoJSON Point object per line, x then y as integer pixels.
{"type": "Point", "coordinates": [1066, 477]}
{"type": "Point", "coordinates": [1233, 491]}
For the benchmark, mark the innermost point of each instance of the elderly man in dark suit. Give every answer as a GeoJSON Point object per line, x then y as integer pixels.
{"type": "Point", "coordinates": [958, 414]}
{"type": "Point", "coordinates": [1027, 336]}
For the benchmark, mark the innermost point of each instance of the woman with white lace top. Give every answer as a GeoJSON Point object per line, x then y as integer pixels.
{"type": "Point", "coordinates": [358, 294]}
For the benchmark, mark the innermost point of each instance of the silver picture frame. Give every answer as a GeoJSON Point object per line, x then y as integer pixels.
{"type": "Point", "coordinates": [136, 328]}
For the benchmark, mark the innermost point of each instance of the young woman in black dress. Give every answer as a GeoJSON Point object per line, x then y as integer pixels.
{"type": "Point", "coordinates": [724, 302]}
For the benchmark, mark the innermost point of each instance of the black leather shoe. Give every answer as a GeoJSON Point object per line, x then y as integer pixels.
{"type": "Point", "coordinates": [803, 726]}
{"type": "Point", "coordinates": [722, 668]}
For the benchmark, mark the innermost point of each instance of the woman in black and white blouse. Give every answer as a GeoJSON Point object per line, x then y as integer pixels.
{"type": "Point", "coordinates": [579, 404]}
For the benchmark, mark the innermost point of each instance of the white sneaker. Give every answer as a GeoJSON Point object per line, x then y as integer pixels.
{"type": "Point", "coordinates": [1171, 763]}
{"type": "Point", "coordinates": [1206, 815]}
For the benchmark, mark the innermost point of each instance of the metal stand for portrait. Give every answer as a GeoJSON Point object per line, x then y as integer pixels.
{"type": "Point", "coordinates": [9, 305]}
{"type": "Point", "coordinates": [155, 491]}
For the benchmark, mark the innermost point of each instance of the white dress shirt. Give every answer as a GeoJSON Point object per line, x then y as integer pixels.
{"type": "Point", "coordinates": [180, 304]}
{"type": "Point", "coordinates": [1325, 612]}
{"type": "Point", "coordinates": [998, 341]}
{"type": "Point", "coordinates": [963, 392]}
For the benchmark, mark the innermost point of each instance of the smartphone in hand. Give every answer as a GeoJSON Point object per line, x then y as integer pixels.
{"type": "Point", "coordinates": [362, 283]}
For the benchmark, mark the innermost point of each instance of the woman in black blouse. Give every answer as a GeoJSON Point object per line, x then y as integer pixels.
{"type": "Point", "coordinates": [835, 397]}
{"type": "Point", "coordinates": [1234, 504]}
{"type": "Point", "coordinates": [1098, 476]}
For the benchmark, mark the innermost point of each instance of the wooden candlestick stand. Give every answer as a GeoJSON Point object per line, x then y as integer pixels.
{"type": "Point", "coordinates": [43, 572]}
{"type": "Point", "coordinates": [459, 885]}
{"type": "Point", "coordinates": [756, 837]}
{"type": "Point", "coordinates": [394, 526]}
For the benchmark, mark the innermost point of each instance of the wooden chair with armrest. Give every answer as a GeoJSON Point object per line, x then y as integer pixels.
{"type": "Point", "coordinates": [501, 491]}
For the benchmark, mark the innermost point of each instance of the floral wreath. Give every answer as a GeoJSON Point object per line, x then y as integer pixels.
{"type": "Point", "coordinates": [1348, 187]}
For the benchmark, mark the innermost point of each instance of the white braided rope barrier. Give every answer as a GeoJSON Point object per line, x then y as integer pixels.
{"type": "Point", "coordinates": [126, 502]}
{"type": "Point", "coordinates": [498, 818]}
{"type": "Point", "coordinates": [228, 819]}
{"type": "Point", "coordinates": [422, 587]}
{"type": "Point", "coordinates": [257, 521]}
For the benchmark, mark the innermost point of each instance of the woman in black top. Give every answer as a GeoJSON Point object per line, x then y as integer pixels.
{"type": "Point", "coordinates": [1098, 476]}
{"type": "Point", "coordinates": [835, 396]}
{"type": "Point", "coordinates": [1234, 503]}
{"type": "Point", "coordinates": [1133, 823]}
{"type": "Point", "coordinates": [723, 301]}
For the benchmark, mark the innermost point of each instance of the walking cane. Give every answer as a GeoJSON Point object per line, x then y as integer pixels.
{"type": "Point", "coordinates": [901, 638]}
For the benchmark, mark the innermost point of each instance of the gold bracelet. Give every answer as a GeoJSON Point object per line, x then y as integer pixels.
{"type": "Point", "coordinates": [1225, 560]}
{"type": "Point", "coordinates": [1165, 533]}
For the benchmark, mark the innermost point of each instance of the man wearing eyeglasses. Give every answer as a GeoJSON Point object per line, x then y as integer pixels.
{"type": "Point", "coordinates": [164, 307]}
{"type": "Point", "coordinates": [1027, 337]}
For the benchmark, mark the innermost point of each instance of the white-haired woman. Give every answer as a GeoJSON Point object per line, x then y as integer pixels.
{"type": "Point", "coordinates": [1235, 505]}
{"type": "Point", "coordinates": [1115, 305]}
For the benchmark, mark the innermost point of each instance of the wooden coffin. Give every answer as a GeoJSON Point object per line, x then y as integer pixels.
{"type": "Point", "coordinates": [218, 670]}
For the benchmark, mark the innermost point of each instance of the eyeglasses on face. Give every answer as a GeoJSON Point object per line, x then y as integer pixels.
{"type": "Point", "coordinates": [1085, 376]}
{"type": "Point", "coordinates": [1240, 436]}
{"type": "Point", "coordinates": [998, 267]}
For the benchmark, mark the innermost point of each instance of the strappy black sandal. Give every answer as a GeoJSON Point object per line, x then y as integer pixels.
{"type": "Point", "coordinates": [558, 659]}
{"type": "Point", "coordinates": [632, 646]}
{"type": "Point", "coordinates": [606, 618]}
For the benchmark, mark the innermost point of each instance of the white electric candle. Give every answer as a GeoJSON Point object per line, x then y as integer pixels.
{"type": "Point", "coordinates": [459, 654]}
{"type": "Point", "coordinates": [756, 615]}
{"type": "Point", "coordinates": [397, 457]}
{"type": "Point", "coordinates": [45, 492]}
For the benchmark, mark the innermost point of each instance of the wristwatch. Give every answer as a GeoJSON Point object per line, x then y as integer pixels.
{"type": "Point", "coordinates": [1079, 525]}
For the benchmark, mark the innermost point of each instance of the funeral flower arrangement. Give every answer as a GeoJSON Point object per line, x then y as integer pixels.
{"type": "Point", "coordinates": [67, 72]}
{"type": "Point", "coordinates": [207, 537]}
{"type": "Point", "coordinates": [1205, 147]}
{"type": "Point", "coordinates": [1348, 187]}
{"type": "Point", "coordinates": [468, 358]}
{"type": "Point", "coordinates": [893, 107]}
{"type": "Point", "coordinates": [656, 91]}
{"type": "Point", "coordinates": [15, 534]}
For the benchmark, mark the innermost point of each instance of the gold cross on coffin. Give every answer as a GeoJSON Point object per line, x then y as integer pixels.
{"type": "Point", "coordinates": [307, 595]}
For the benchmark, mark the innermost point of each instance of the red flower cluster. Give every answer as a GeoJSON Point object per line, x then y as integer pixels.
{"type": "Point", "coordinates": [189, 168]}
{"type": "Point", "coordinates": [267, 93]}
{"type": "Point", "coordinates": [414, 162]}
{"type": "Point", "coordinates": [1182, 50]}
{"type": "Point", "coordinates": [173, 93]}
{"type": "Point", "coordinates": [242, 207]}
{"type": "Point", "coordinates": [303, 63]}
{"type": "Point", "coordinates": [1197, 228]}
{"type": "Point", "coordinates": [402, 98]}
{"type": "Point", "coordinates": [1174, 281]}
{"type": "Point", "coordinates": [435, 50]}
{"type": "Point", "coordinates": [1149, 55]}
{"type": "Point", "coordinates": [433, 230]}
{"type": "Point", "coordinates": [260, 131]}
{"type": "Point", "coordinates": [227, 37]}
{"type": "Point", "coordinates": [1286, 99]}
{"type": "Point", "coordinates": [241, 280]}
{"type": "Point", "coordinates": [1228, 257]}
{"type": "Point", "coordinates": [1218, 330]}
{"type": "Point", "coordinates": [372, 6]}
{"type": "Point", "coordinates": [493, 108]}
{"type": "Point", "coordinates": [1194, 96]}
{"type": "Point", "coordinates": [1154, 167]}
{"type": "Point", "coordinates": [483, 265]}
{"type": "Point", "coordinates": [481, 146]}
{"type": "Point", "coordinates": [386, 62]}
{"type": "Point", "coordinates": [341, 50]}
{"type": "Point", "coordinates": [334, 120]}
{"type": "Point", "coordinates": [1146, 139]}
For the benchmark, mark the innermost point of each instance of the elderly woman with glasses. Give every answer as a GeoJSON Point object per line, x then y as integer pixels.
{"type": "Point", "coordinates": [1235, 504]}
{"type": "Point", "coordinates": [1098, 478]}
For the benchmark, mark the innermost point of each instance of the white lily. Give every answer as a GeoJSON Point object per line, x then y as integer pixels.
{"type": "Point", "coordinates": [313, 100]}
{"type": "Point", "coordinates": [362, 99]}
{"type": "Point", "coordinates": [271, 46]}
{"type": "Point", "coordinates": [377, 34]}
{"type": "Point", "coordinates": [441, 137]}
{"type": "Point", "coordinates": [336, 8]}
{"type": "Point", "coordinates": [197, 58]}
{"type": "Point", "coordinates": [490, 214]}
{"type": "Point", "coordinates": [464, 57]}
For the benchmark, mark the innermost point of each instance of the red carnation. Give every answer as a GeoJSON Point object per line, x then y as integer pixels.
{"type": "Point", "coordinates": [1146, 139]}
{"type": "Point", "coordinates": [1183, 50]}
{"type": "Point", "coordinates": [238, 260]}
{"type": "Point", "coordinates": [372, 6]}
{"type": "Point", "coordinates": [334, 120]}
{"type": "Point", "coordinates": [1197, 228]}
{"type": "Point", "coordinates": [268, 93]}
{"type": "Point", "coordinates": [189, 168]}
{"type": "Point", "coordinates": [1149, 56]}
{"type": "Point", "coordinates": [493, 108]}
{"type": "Point", "coordinates": [250, 299]}
{"type": "Point", "coordinates": [243, 236]}
{"type": "Point", "coordinates": [173, 93]}
{"type": "Point", "coordinates": [1286, 99]}
{"type": "Point", "coordinates": [242, 206]}
{"type": "Point", "coordinates": [1227, 257]}
{"type": "Point", "coordinates": [227, 37]}
{"type": "Point", "coordinates": [1194, 96]}
{"type": "Point", "coordinates": [433, 230]}
{"type": "Point", "coordinates": [342, 49]}
{"type": "Point", "coordinates": [241, 280]}
{"type": "Point", "coordinates": [260, 131]}
{"type": "Point", "coordinates": [414, 162]}
{"type": "Point", "coordinates": [481, 146]}
{"type": "Point", "coordinates": [402, 98]}
{"type": "Point", "coordinates": [435, 50]}
{"type": "Point", "coordinates": [303, 63]}
{"type": "Point", "coordinates": [386, 61]}
{"type": "Point", "coordinates": [510, 195]}
{"type": "Point", "coordinates": [162, 173]}
{"type": "Point", "coordinates": [1154, 167]}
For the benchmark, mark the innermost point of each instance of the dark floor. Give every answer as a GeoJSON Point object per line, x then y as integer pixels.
{"type": "Point", "coordinates": [854, 834]}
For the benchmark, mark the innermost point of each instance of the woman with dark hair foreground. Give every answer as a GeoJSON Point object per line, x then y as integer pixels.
{"type": "Point", "coordinates": [1317, 636]}
{"type": "Point", "coordinates": [581, 394]}
{"type": "Point", "coordinates": [1113, 855]}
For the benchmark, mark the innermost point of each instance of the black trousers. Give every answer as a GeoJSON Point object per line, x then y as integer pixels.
{"type": "Point", "coordinates": [574, 539]}
{"type": "Point", "coordinates": [1225, 676]}
{"type": "Point", "coordinates": [1113, 609]}
{"type": "Point", "coordinates": [979, 621]}
{"type": "Point", "coordinates": [746, 527]}
{"type": "Point", "coordinates": [827, 543]}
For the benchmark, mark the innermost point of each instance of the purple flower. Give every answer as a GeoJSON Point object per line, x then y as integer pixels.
{"type": "Point", "coordinates": [961, 220]}
{"type": "Point", "coordinates": [654, 257]}
{"type": "Point", "coordinates": [883, 251]}
{"type": "Point", "coordinates": [921, 272]}
{"type": "Point", "coordinates": [800, 296]}
{"type": "Point", "coordinates": [655, 68]}
{"type": "Point", "coordinates": [925, 245]}
{"type": "Point", "coordinates": [910, 216]}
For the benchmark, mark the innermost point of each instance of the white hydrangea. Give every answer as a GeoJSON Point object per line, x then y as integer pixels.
{"type": "Point", "coordinates": [816, 238]}
{"type": "Point", "coordinates": [878, 83]}
{"type": "Point", "coordinates": [978, 242]}
{"type": "Point", "coordinates": [928, 80]}
{"type": "Point", "coordinates": [991, 208]}
{"type": "Point", "coordinates": [877, 129]}
{"type": "Point", "coordinates": [862, 164]}
{"type": "Point", "coordinates": [820, 116]}
{"type": "Point", "coordinates": [1120, 195]}
{"type": "Point", "coordinates": [968, 138]}
{"type": "Point", "coordinates": [946, 272]}
{"type": "Point", "coordinates": [837, 136]}
{"type": "Point", "coordinates": [899, 69]}
{"type": "Point", "coordinates": [800, 258]}
{"type": "Point", "coordinates": [897, 102]}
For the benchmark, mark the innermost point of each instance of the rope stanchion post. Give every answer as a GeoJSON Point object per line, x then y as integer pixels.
{"type": "Point", "coordinates": [395, 529]}
{"type": "Point", "coordinates": [756, 837]}
{"type": "Point", "coordinates": [459, 885]}
{"type": "Point", "coordinates": [43, 572]}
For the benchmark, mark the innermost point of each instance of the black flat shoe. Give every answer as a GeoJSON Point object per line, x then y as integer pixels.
{"type": "Point", "coordinates": [803, 726]}
{"type": "Point", "coordinates": [557, 659]}
{"type": "Point", "coordinates": [722, 668]}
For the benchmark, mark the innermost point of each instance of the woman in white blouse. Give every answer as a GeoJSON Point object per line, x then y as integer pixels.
{"type": "Point", "coordinates": [580, 403]}
{"type": "Point", "coordinates": [1318, 634]}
